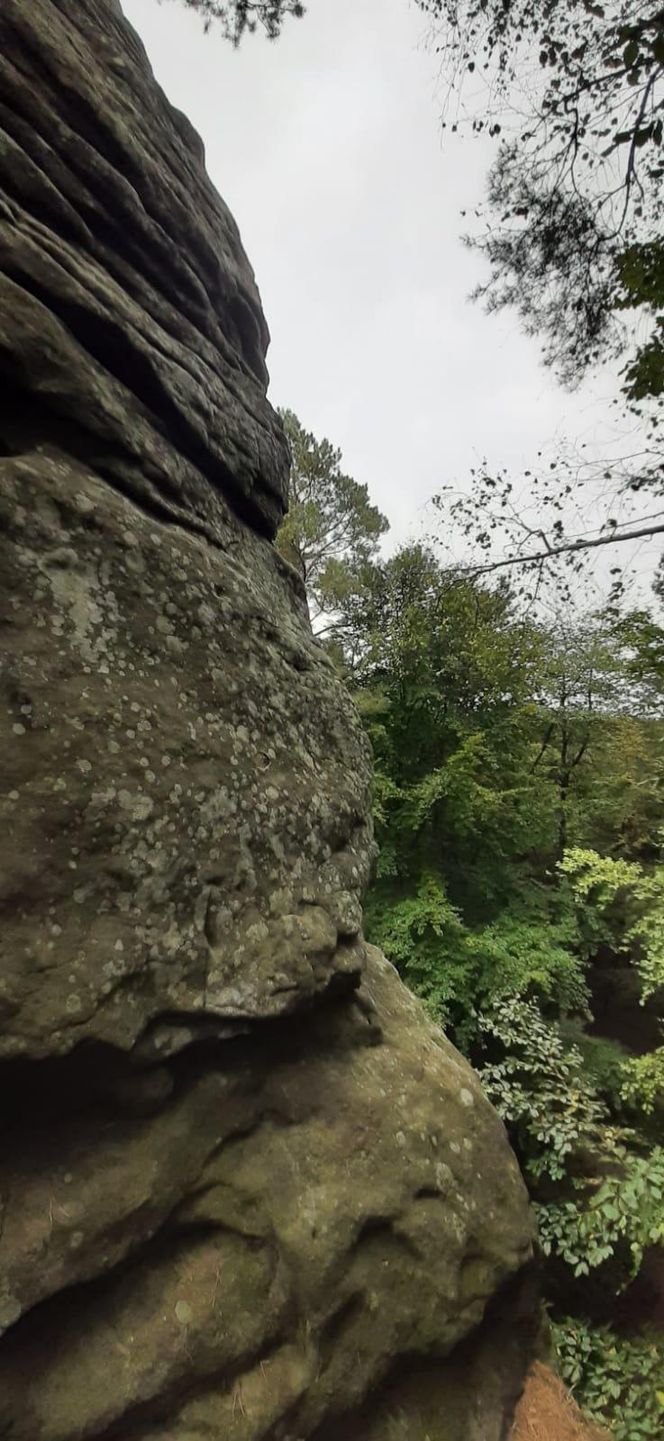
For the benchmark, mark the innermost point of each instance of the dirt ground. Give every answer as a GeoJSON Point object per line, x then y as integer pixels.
{"type": "Point", "coordinates": [546, 1412]}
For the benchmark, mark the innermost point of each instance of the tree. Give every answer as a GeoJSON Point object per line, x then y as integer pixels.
{"type": "Point", "coordinates": [573, 87]}
{"type": "Point", "coordinates": [600, 881]}
{"type": "Point", "coordinates": [332, 531]}
{"type": "Point", "coordinates": [591, 683]}
{"type": "Point", "coordinates": [537, 527]}
{"type": "Point", "coordinates": [518, 786]}
{"type": "Point", "coordinates": [236, 18]}
{"type": "Point", "coordinates": [572, 224]}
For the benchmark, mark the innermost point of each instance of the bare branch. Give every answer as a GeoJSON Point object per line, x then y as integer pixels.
{"type": "Point", "coordinates": [569, 547]}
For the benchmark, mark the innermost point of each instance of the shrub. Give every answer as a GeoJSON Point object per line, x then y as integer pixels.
{"type": "Point", "coordinates": [618, 1382]}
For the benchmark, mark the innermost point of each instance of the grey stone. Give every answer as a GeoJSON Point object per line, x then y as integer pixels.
{"type": "Point", "coordinates": [247, 1190]}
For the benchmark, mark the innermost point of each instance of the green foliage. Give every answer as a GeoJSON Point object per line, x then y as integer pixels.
{"type": "Point", "coordinates": [572, 233]}
{"type": "Point", "coordinates": [541, 1089]}
{"type": "Point", "coordinates": [454, 728]}
{"type": "Point", "coordinates": [643, 1081]}
{"type": "Point", "coordinates": [625, 1209]}
{"type": "Point", "coordinates": [413, 932]}
{"type": "Point", "coordinates": [617, 1382]}
{"type": "Point", "coordinates": [629, 900]}
{"type": "Point", "coordinates": [575, 194]}
{"type": "Point", "coordinates": [510, 957]}
{"type": "Point", "coordinates": [603, 1063]}
{"type": "Point", "coordinates": [517, 806]}
{"type": "Point", "coordinates": [332, 531]}
{"type": "Point", "coordinates": [641, 282]}
{"type": "Point", "coordinates": [237, 18]}
{"type": "Point", "coordinates": [538, 1086]}
{"type": "Point", "coordinates": [517, 956]}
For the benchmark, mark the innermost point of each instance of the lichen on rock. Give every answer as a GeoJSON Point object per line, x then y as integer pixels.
{"type": "Point", "coordinates": [235, 1202]}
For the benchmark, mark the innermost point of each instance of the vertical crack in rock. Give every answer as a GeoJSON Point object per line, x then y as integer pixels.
{"type": "Point", "coordinates": [246, 1189]}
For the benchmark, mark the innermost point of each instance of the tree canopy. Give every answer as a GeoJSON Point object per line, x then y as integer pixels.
{"type": "Point", "coordinates": [520, 892]}
{"type": "Point", "coordinates": [573, 91]}
{"type": "Point", "coordinates": [331, 531]}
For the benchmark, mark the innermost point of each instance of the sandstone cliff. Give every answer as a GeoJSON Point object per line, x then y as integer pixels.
{"type": "Point", "coordinates": [246, 1189]}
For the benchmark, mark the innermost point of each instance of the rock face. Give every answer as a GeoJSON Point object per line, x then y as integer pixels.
{"type": "Point", "coordinates": [247, 1190]}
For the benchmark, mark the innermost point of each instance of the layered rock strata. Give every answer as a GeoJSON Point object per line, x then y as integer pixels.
{"type": "Point", "coordinates": [247, 1189]}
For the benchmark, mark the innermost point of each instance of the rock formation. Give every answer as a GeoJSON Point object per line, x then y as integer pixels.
{"type": "Point", "coordinates": [247, 1190]}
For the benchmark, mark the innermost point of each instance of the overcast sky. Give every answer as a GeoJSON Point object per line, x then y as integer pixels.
{"type": "Point", "coordinates": [327, 147]}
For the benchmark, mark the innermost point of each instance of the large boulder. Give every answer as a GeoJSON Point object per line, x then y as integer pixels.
{"type": "Point", "coordinates": [247, 1190]}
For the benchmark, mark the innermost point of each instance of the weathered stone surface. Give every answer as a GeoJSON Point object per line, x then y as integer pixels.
{"type": "Point", "coordinates": [308, 1210]}
{"type": "Point", "coordinates": [247, 1190]}
{"type": "Point", "coordinates": [186, 790]}
{"type": "Point", "coordinates": [126, 301]}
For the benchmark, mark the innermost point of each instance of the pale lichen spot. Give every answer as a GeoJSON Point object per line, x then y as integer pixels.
{"type": "Point", "coordinates": [10, 1310]}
